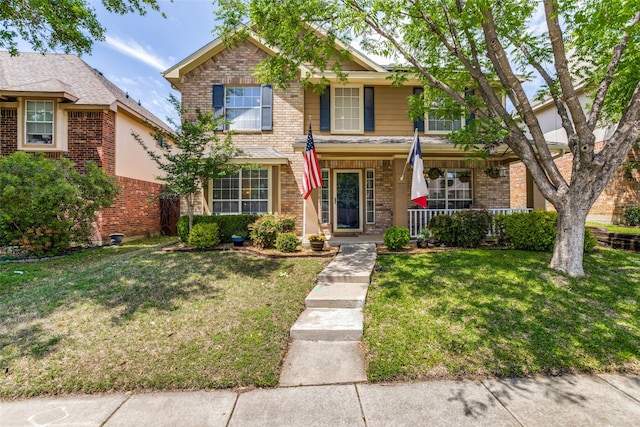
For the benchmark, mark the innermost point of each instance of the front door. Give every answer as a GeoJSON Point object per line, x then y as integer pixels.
{"type": "Point", "coordinates": [348, 200]}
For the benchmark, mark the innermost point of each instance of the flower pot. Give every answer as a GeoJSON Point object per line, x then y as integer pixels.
{"type": "Point", "coordinates": [421, 243]}
{"type": "Point", "coordinates": [116, 238]}
{"type": "Point", "coordinates": [317, 246]}
{"type": "Point", "coordinates": [464, 179]}
{"type": "Point", "coordinates": [237, 241]}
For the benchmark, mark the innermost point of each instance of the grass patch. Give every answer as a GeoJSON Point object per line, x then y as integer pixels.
{"type": "Point", "coordinates": [616, 228]}
{"type": "Point", "coordinates": [479, 313]}
{"type": "Point", "coordinates": [132, 318]}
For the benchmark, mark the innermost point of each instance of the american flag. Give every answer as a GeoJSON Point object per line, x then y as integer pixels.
{"type": "Point", "coordinates": [312, 177]}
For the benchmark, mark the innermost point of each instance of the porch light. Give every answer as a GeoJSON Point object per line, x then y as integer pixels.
{"type": "Point", "coordinates": [503, 171]}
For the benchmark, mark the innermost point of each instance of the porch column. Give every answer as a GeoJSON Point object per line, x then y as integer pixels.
{"type": "Point", "coordinates": [400, 191]}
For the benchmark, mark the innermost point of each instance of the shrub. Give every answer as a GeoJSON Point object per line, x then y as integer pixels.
{"type": "Point", "coordinates": [204, 235]}
{"type": "Point", "coordinates": [465, 229]}
{"type": "Point", "coordinates": [396, 238]}
{"type": "Point", "coordinates": [228, 225]}
{"type": "Point", "coordinates": [632, 215]}
{"type": "Point", "coordinates": [287, 242]}
{"type": "Point", "coordinates": [47, 205]}
{"type": "Point", "coordinates": [534, 231]}
{"type": "Point", "coordinates": [265, 230]}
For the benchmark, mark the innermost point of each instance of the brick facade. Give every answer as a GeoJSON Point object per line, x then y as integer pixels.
{"type": "Point", "coordinates": [8, 131]}
{"type": "Point", "coordinates": [620, 193]}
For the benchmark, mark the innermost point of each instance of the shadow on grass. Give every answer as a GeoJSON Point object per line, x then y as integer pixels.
{"type": "Point", "coordinates": [124, 284]}
{"type": "Point", "coordinates": [505, 313]}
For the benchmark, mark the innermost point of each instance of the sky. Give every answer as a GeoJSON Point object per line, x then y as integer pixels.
{"type": "Point", "coordinates": [137, 49]}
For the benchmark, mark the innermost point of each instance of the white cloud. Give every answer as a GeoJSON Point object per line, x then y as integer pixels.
{"type": "Point", "coordinates": [134, 50]}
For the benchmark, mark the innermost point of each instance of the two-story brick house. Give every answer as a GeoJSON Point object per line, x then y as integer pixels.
{"type": "Point", "coordinates": [362, 134]}
{"type": "Point", "coordinates": [59, 105]}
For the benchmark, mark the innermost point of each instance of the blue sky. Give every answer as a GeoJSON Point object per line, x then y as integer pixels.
{"type": "Point", "coordinates": [138, 48]}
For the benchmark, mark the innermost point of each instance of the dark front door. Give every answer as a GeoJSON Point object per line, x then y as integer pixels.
{"type": "Point", "coordinates": [347, 201]}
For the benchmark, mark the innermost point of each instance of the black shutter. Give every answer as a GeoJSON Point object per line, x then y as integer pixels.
{"type": "Point", "coordinates": [325, 109]}
{"type": "Point", "coordinates": [369, 112]}
{"type": "Point", "coordinates": [418, 124]}
{"type": "Point", "coordinates": [218, 102]}
{"type": "Point", "coordinates": [267, 107]}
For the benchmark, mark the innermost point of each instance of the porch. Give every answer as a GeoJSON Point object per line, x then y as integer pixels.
{"type": "Point", "coordinates": [419, 218]}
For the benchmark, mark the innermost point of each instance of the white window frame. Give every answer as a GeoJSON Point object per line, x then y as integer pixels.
{"type": "Point", "coordinates": [455, 183]}
{"type": "Point", "coordinates": [427, 130]}
{"type": "Point", "coordinates": [370, 184]}
{"type": "Point", "coordinates": [334, 105]}
{"type": "Point", "coordinates": [239, 195]}
{"type": "Point", "coordinates": [325, 197]}
{"type": "Point", "coordinates": [230, 126]}
{"type": "Point", "coordinates": [26, 123]}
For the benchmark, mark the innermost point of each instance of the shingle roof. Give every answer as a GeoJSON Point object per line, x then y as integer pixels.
{"type": "Point", "coordinates": [54, 73]}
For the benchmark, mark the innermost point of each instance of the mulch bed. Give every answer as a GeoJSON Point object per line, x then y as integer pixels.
{"type": "Point", "coordinates": [253, 250]}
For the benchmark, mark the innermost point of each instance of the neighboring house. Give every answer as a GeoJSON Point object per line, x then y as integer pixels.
{"type": "Point", "coordinates": [623, 191]}
{"type": "Point", "coordinates": [59, 105]}
{"type": "Point", "coordinates": [362, 135]}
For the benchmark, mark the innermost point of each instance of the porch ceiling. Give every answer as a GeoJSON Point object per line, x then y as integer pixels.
{"type": "Point", "coordinates": [433, 147]}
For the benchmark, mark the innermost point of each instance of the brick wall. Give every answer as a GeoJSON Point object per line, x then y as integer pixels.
{"type": "Point", "coordinates": [8, 131]}
{"type": "Point", "coordinates": [518, 174]}
{"type": "Point", "coordinates": [133, 213]}
{"type": "Point", "coordinates": [91, 137]}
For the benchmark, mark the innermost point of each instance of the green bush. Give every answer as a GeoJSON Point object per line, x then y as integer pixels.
{"type": "Point", "coordinates": [465, 229]}
{"type": "Point", "coordinates": [534, 231]}
{"type": "Point", "coordinates": [46, 206]}
{"type": "Point", "coordinates": [632, 215]}
{"type": "Point", "coordinates": [228, 225]}
{"type": "Point", "coordinates": [287, 242]}
{"type": "Point", "coordinates": [265, 230]}
{"type": "Point", "coordinates": [396, 238]}
{"type": "Point", "coordinates": [204, 235]}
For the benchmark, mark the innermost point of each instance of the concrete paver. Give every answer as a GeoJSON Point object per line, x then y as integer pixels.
{"type": "Point", "coordinates": [300, 406]}
{"type": "Point", "coordinates": [436, 403]}
{"type": "Point", "coordinates": [573, 400]}
{"type": "Point", "coordinates": [629, 384]}
{"type": "Point", "coordinates": [65, 411]}
{"type": "Point", "coordinates": [323, 362]}
{"type": "Point", "coordinates": [328, 324]}
{"type": "Point", "coordinates": [338, 295]}
{"type": "Point", "coordinates": [191, 409]}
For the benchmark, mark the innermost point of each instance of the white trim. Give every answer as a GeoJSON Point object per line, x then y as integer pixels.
{"type": "Point", "coordinates": [373, 197]}
{"type": "Point", "coordinates": [360, 129]}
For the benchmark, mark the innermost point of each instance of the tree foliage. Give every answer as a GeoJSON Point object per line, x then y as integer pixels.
{"type": "Point", "coordinates": [191, 155]}
{"type": "Point", "coordinates": [47, 205]}
{"type": "Point", "coordinates": [68, 24]}
{"type": "Point", "coordinates": [469, 54]}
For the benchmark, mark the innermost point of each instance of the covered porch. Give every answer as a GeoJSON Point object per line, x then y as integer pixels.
{"type": "Point", "coordinates": [419, 218]}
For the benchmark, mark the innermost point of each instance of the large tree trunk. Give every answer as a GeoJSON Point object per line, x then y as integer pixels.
{"type": "Point", "coordinates": [569, 248]}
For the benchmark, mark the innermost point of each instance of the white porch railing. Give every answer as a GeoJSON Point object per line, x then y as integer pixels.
{"type": "Point", "coordinates": [419, 218]}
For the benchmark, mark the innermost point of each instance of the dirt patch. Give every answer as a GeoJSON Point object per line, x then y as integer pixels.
{"type": "Point", "coordinates": [254, 250]}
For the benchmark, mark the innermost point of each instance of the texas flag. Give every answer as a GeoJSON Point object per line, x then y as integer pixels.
{"type": "Point", "coordinates": [418, 184]}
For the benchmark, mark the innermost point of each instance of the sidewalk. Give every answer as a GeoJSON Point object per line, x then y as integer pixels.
{"type": "Point", "coordinates": [584, 400]}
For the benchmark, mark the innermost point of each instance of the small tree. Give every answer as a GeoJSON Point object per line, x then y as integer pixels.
{"type": "Point", "coordinates": [191, 155]}
{"type": "Point", "coordinates": [46, 205]}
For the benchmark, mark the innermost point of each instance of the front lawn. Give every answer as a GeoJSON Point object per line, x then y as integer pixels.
{"type": "Point", "coordinates": [478, 313]}
{"type": "Point", "coordinates": [121, 319]}
{"type": "Point", "coordinates": [616, 228]}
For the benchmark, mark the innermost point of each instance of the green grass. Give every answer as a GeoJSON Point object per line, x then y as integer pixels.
{"type": "Point", "coordinates": [479, 313]}
{"type": "Point", "coordinates": [134, 318]}
{"type": "Point", "coordinates": [616, 228]}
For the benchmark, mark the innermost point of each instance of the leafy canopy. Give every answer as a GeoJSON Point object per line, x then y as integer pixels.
{"type": "Point", "coordinates": [68, 24]}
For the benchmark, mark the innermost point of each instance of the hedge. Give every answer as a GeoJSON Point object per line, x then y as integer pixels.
{"type": "Point", "coordinates": [228, 225]}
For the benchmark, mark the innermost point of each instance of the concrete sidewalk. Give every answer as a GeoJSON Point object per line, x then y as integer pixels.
{"type": "Point", "coordinates": [583, 400]}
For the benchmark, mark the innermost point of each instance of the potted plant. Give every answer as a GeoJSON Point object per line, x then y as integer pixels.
{"type": "Point", "coordinates": [433, 173]}
{"type": "Point", "coordinates": [493, 172]}
{"type": "Point", "coordinates": [424, 238]}
{"type": "Point", "coordinates": [317, 242]}
{"type": "Point", "coordinates": [116, 238]}
{"type": "Point", "coordinates": [464, 176]}
{"type": "Point", "coordinates": [238, 238]}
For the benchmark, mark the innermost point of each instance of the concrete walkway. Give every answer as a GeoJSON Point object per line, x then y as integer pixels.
{"type": "Point", "coordinates": [325, 340]}
{"type": "Point", "coordinates": [601, 400]}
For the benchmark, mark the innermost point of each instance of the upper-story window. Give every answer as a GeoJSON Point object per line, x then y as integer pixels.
{"type": "Point", "coordinates": [246, 108]}
{"type": "Point", "coordinates": [39, 120]}
{"type": "Point", "coordinates": [347, 109]}
{"type": "Point", "coordinates": [437, 123]}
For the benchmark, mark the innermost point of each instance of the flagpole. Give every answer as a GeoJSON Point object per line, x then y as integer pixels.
{"type": "Point", "coordinates": [405, 164]}
{"type": "Point", "coordinates": [304, 209]}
